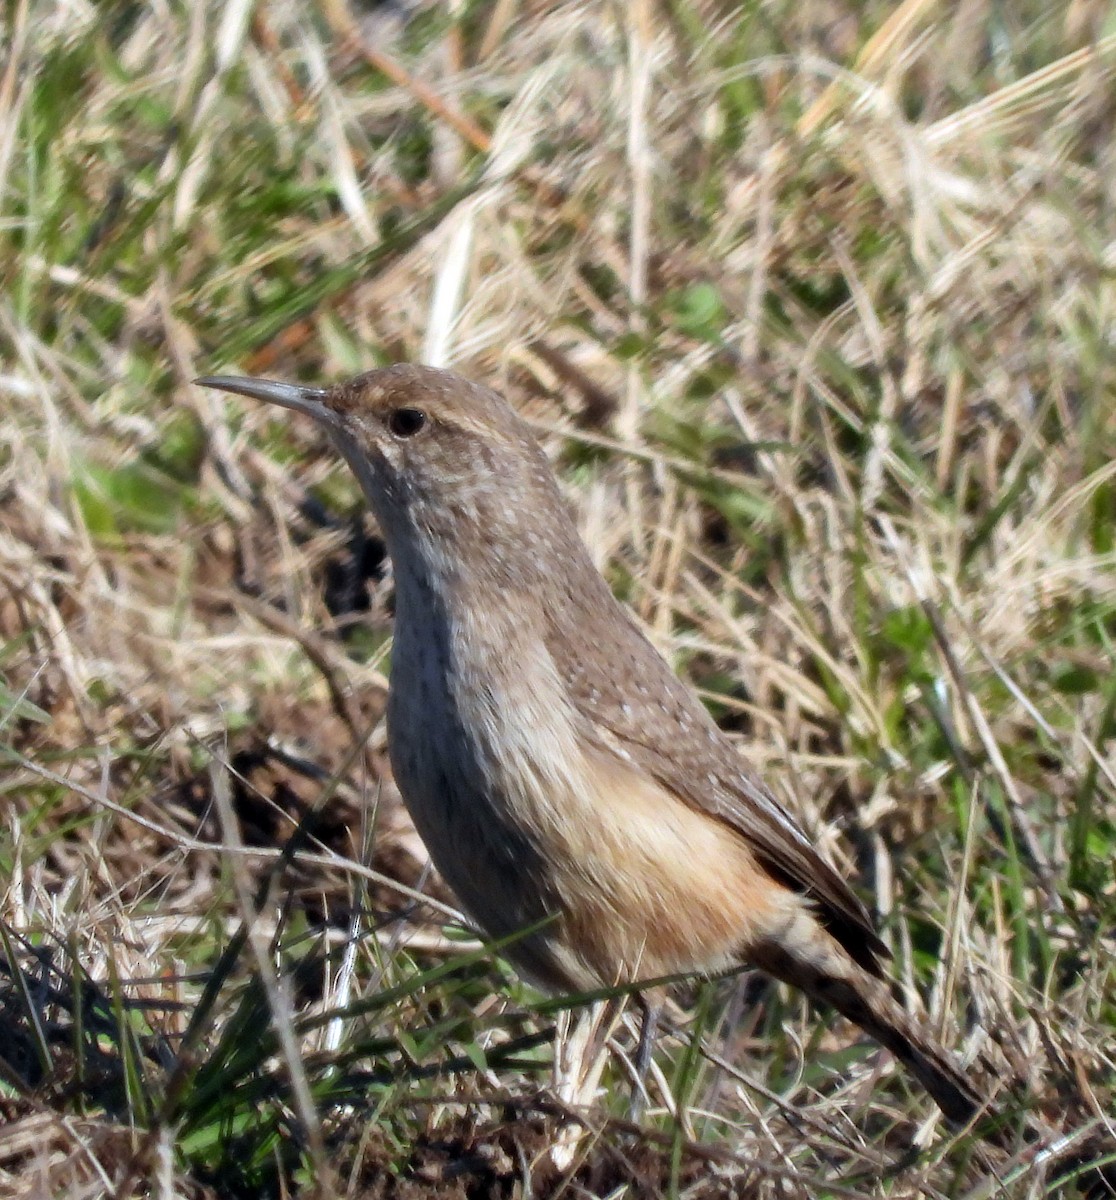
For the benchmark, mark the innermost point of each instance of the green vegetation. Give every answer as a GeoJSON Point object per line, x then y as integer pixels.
{"type": "Point", "coordinates": [814, 307]}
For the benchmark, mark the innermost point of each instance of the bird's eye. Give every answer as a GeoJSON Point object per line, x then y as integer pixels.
{"type": "Point", "coordinates": [406, 422]}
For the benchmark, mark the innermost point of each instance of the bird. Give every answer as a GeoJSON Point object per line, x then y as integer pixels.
{"type": "Point", "coordinates": [565, 781]}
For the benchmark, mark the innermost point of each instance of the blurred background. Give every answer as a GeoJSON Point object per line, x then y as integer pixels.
{"type": "Point", "coordinates": [813, 306]}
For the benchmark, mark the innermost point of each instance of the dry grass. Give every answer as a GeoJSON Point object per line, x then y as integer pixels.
{"type": "Point", "coordinates": [813, 305]}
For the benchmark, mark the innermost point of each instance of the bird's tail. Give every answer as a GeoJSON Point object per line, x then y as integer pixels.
{"type": "Point", "coordinates": [868, 1002]}
{"type": "Point", "coordinates": [807, 957]}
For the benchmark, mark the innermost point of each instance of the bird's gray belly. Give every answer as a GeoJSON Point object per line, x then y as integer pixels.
{"type": "Point", "coordinates": [491, 862]}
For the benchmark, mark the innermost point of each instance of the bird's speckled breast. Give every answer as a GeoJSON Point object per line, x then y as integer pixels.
{"type": "Point", "coordinates": [482, 756]}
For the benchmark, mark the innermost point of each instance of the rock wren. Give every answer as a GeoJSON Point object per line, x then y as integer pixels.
{"type": "Point", "coordinates": [561, 776]}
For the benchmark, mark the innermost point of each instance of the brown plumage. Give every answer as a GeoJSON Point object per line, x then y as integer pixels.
{"type": "Point", "coordinates": [552, 762]}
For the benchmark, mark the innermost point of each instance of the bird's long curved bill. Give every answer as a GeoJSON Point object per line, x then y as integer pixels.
{"type": "Point", "coordinates": [310, 401]}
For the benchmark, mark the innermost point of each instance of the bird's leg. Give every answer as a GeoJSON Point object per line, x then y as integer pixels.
{"type": "Point", "coordinates": [651, 1007]}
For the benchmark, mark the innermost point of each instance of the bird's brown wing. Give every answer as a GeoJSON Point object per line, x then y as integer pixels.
{"type": "Point", "coordinates": [650, 718]}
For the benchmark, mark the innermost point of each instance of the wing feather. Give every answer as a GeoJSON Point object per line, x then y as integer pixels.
{"type": "Point", "coordinates": [635, 707]}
